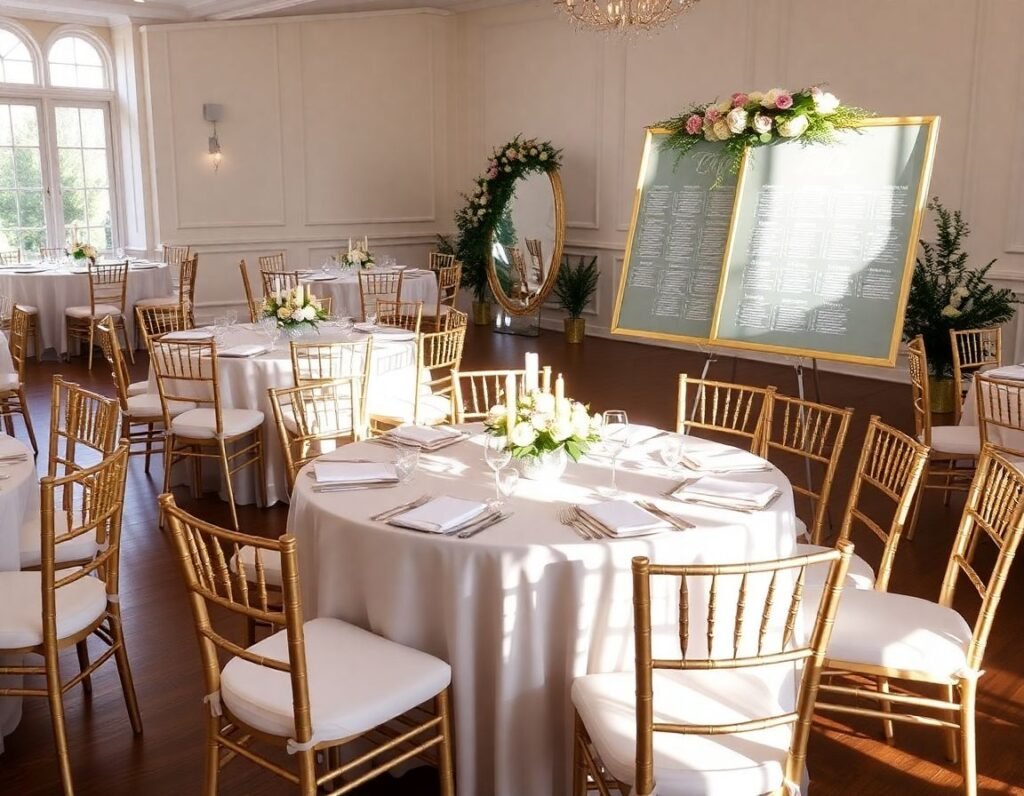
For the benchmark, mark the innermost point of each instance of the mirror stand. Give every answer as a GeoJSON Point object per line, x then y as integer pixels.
{"type": "Point", "coordinates": [523, 325]}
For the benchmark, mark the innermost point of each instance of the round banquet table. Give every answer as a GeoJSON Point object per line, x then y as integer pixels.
{"type": "Point", "coordinates": [418, 284]}
{"type": "Point", "coordinates": [52, 288]}
{"type": "Point", "coordinates": [244, 381]}
{"type": "Point", "coordinates": [19, 496]}
{"type": "Point", "coordinates": [521, 608]}
{"type": "Point", "coordinates": [1006, 408]}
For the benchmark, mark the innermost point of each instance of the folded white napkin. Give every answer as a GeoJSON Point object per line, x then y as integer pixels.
{"type": "Point", "coordinates": [322, 277]}
{"type": "Point", "coordinates": [243, 350]}
{"type": "Point", "coordinates": [724, 460]}
{"type": "Point", "coordinates": [728, 493]}
{"type": "Point", "coordinates": [189, 334]}
{"type": "Point", "coordinates": [1011, 372]}
{"type": "Point", "coordinates": [634, 433]}
{"type": "Point", "coordinates": [440, 514]}
{"type": "Point", "coordinates": [623, 518]}
{"type": "Point", "coordinates": [424, 436]}
{"type": "Point", "coordinates": [328, 472]}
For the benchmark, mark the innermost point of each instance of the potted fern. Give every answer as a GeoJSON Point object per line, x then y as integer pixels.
{"type": "Point", "coordinates": [574, 287]}
{"type": "Point", "coordinates": [945, 294]}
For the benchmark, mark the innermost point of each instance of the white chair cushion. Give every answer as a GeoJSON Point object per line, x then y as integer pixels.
{"type": "Point", "coordinates": [79, 604]}
{"type": "Point", "coordinates": [722, 765]}
{"type": "Point", "coordinates": [138, 387]}
{"type": "Point", "coordinates": [148, 405]}
{"type": "Point", "coordinates": [28, 309]}
{"type": "Point", "coordinates": [433, 409]}
{"type": "Point", "coordinates": [86, 312]}
{"type": "Point", "coordinates": [157, 301]}
{"type": "Point", "coordinates": [9, 381]}
{"type": "Point", "coordinates": [270, 559]}
{"type": "Point", "coordinates": [956, 439]}
{"type": "Point", "coordinates": [202, 423]}
{"type": "Point", "coordinates": [860, 575]}
{"type": "Point", "coordinates": [898, 631]}
{"type": "Point", "coordinates": [81, 548]}
{"type": "Point", "coordinates": [357, 680]}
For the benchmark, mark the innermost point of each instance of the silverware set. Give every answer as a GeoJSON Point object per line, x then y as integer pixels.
{"type": "Point", "coordinates": [328, 488]}
{"type": "Point", "coordinates": [734, 507]}
{"type": "Point", "coordinates": [384, 516]}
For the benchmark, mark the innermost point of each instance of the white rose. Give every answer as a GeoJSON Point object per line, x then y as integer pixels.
{"type": "Point", "coordinates": [564, 407]}
{"type": "Point", "coordinates": [523, 435]}
{"type": "Point", "coordinates": [483, 199]}
{"type": "Point", "coordinates": [961, 292]}
{"type": "Point", "coordinates": [769, 97]}
{"type": "Point", "coordinates": [737, 120]}
{"type": "Point", "coordinates": [721, 129]}
{"type": "Point", "coordinates": [761, 123]}
{"type": "Point", "coordinates": [825, 103]}
{"type": "Point", "coordinates": [497, 412]}
{"type": "Point", "coordinates": [793, 128]}
{"type": "Point", "coordinates": [309, 313]}
{"type": "Point", "coordinates": [545, 403]}
{"type": "Point", "coordinates": [540, 421]}
{"type": "Point", "coordinates": [580, 424]}
{"type": "Point", "coordinates": [949, 311]}
{"type": "Point", "coordinates": [595, 423]}
{"type": "Point", "coordinates": [543, 155]}
{"type": "Point", "coordinates": [533, 151]}
{"type": "Point", "coordinates": [561, 430]}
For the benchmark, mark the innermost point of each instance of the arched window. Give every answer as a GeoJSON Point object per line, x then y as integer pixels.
{"type": "Point", "coordinates": [16, 62]}
{"type": "Point", "coordinates": [75, 62]}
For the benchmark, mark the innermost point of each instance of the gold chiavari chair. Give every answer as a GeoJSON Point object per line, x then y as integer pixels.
{"type": "Point", "coordinates": [536, 252]}
{"type": "Point", "coordinates": [186, 372]}
{"type": "Point", "coordinates": [808, 438]}
{"type": "Point", "coordinates": [476, 391]}
{"type": "Point", "coordinates": [314, 419]}
{"type": "Point", "coordinates": [185, 294]}
{"type": "Point", "coordinates": [437, 261]}
{"type": "Point", "coordinates": [974, 350]}
{"type": "Point", "coordinates": [157, 319]}
{"type": "Point", "coordinates": [246, 284]}
{"type": "Point", "coordinates": [447, 291]}
{"type": "Point", "coordinates": [724, 408]}
{"type": "Point", "coordinates": [1001, 414]}
{"type": "Point", "coordinates": [455, 319]}
{"type": "Point", "coordinates": [881, 497]}
{"type": "Point", "coordinates": [272, 262]}
{"type": "Point", "coordinates": [727, 713]}
{"type": "Point", "coordinates": [375, 285]}
{"type": "Point", "coordinates": [521, 283]}
{"type": "Point", "coordinates": [142, 416]}
{"type": "Point", "coordinates": [931, 644]}
{"type": "Point", "coordinates": [949, 445]}
{"type": "Point", "coordinates": [318, 363]}
{"type": "Point", "coordinates": [276, 281]}
{"type": "Point", "coordinates": [438, 354]}
{"type": "Point", "coordinates": [10, 257]}
{"type": "Point", "coordinates": [400, 314]}
{"type": "Point", "coordinates": [13, 257]}
{"type": "Point", "coordinates": [174, 256]}
{"type": "Point", "coordinates": [12, 385]}
{"type": "Point", "coordinates": [285, 691]}
{"type": "Point", "coordinates": [107, 289]}
{"type": "Point", "coordinates": [52, 253]}
{"type": "Point", "coordinates": [50, 610]}
{"type": "Point", "coordinates": [83, 431]}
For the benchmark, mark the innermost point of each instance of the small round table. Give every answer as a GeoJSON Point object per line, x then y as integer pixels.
{"type": "Point", "coordinates": [521, 608]}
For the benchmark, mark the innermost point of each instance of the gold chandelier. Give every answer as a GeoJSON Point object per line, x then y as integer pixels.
{"type": "Point", "coordinates": [625, 16]}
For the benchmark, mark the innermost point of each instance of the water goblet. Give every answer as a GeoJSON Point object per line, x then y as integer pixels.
{"type": "Point", "coordinates": [497, 454]}
{"type": "Point", "coordinates": [507, 479]}
{"type": "Point", "coordinates": [371, 319]}
{"type": "Point", "coordinates": [406, 463]}
{"type": "Point", "coordinates": [613, 439]}
{"type": "Point", "coordinates": [232, 317]}
{"type": "Point", "coordinates": [671, 451]}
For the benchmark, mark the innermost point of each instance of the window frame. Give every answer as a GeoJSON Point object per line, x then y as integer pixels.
{"type": "Point", "coordinates": [35, 53]}
{"type": "Point", "coordinates": [72, 31]}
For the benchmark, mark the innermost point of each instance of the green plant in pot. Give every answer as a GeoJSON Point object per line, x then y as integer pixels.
{"type": "Point", "coordinates": [946, 295]}
{"type": "Point", "coordinates": [575, 286]}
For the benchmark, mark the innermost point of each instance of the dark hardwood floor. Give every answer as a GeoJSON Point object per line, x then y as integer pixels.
{"type": "Point", "coordinates": [167, 759]}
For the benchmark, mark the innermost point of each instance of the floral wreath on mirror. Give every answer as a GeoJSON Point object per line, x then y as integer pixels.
{"type": "Point", "coordinates": [484, 207]}
{"type": "Point", "coordinates": [760, 118]}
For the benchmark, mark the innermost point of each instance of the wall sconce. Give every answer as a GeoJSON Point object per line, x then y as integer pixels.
{"type": "Point", "coordinates": [213, 113]}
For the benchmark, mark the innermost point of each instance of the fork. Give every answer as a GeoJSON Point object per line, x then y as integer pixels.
{"type": "Point", "coordinates": [389, 513]}
{"type": "Point", "coordinates": [567, 517]}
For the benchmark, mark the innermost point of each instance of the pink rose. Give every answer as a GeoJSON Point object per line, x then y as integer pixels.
{"type": "Point", "coordinates": [694, 124]}
{"type": "Point", "coordinates": [739, 100]}
{"type": "Point", "coordinates": [492, 173]}
{"type": "Point", "coordinates": [784, 102]}
{"type": "Point", "coordinates": [712, 114]}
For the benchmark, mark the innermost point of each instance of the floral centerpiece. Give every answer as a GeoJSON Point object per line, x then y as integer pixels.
{"type": "Point", "coordinates": [759, 118]}
{"type": "Point", "coordinates": [294, 310]}
{"type": "Point", "coordinates": [84, 251]}
{"type": "Point", "coordinates": [484, 208]}
{"type": "Point", "coordinates": [358, 256]}
{"type": "Point", "coordinates": [945, 294]}
{"type": "Point", "coordinates": [542, 428]}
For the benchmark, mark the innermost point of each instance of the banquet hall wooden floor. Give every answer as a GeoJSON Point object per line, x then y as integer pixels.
{"type": "Point", "coordinates": [168, 759]}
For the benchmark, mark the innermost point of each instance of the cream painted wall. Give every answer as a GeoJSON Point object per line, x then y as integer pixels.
{"type": "Point", "coordinates": [334, 126]}
{"type": "Point", "coordinates": [522, 69]}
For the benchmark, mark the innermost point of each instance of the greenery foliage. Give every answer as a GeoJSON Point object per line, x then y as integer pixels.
{"type": "Point", "coordinates": [490, 199]}
{"type": "Point", "coordinates": [945, 294]}
{"type": "Point", "coordinates": [576, 284]}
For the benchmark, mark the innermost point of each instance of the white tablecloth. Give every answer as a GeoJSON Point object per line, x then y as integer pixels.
{"type": "Point", "coordinates": [19, 496]}
{"type": "Point", "coordinates": [344, 291]}
{"type": "Point", "coordinates": [53, 290]}
{"type": "Point", "coordinates": [520, 609]}
{"type": "Point", "coordinates": [1007, 438]}
{"type": "Point", "coordinates": [244, 384]}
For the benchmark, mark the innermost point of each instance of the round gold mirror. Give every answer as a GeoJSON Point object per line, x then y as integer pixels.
{"type": "Point", "coordinates": [525, 248]}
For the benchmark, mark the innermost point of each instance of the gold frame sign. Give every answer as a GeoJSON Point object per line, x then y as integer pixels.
{"type": "Point", "coordinates": [817, 257]}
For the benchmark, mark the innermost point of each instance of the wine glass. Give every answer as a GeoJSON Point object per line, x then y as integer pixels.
{"type": "Point", "coordinates": [506, 479]}
{"type": "Point", "coordinates": [232, 317]}
{"type": "Point", "coordinates": [371, 319]}
{"type": "Point", "coordinates": [671, 451]}
{"type": "Point", "coordinates": [497, 454]}
{"type": "Point", "coordinates": [119, 252]}
{"type": "Point", "coordinates": [613, 439]}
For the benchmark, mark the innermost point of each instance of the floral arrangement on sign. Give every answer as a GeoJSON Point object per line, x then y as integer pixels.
{"type": "Point", "coordinates": [945, 294]}
{"type": "Point", "coordinates": [294, 309]}
{"type": "Point", "coordinates": [484, 207]}
{"type": "Point", "coordinates": [539, 422]}
{"type": "Point", "coordinates": [358, 256]}
{"type": "Point", "coordinates": [83, 251]}
{"type": "Point", "coordinates": [759, 118]}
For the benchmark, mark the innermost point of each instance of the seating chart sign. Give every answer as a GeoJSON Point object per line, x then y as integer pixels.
{"type": "Point", "coordinates": [670, 277]}
{"type": "Point", "coordinates": [823, 241]}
